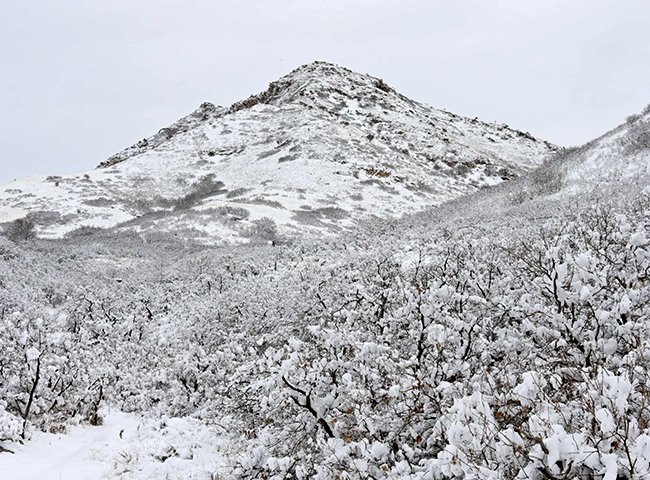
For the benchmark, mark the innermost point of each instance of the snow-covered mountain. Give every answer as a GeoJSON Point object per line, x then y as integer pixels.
{"type": "Point", "coordinates": [321, 149]}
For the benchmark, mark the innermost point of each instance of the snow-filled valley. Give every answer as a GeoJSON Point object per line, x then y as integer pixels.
{"type": "Point", "coordinates": [473, 329]}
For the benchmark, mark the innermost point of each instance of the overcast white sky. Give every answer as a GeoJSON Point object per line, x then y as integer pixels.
{"type": "Point", "coordinates": [80, 80]}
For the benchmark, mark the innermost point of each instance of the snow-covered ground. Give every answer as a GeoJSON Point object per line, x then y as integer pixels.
{"type": "Point", "coordinates": [126, 446]}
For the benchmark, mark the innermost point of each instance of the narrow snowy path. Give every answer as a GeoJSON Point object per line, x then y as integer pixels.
{"type": "Point", "coordinates": [124, 447]}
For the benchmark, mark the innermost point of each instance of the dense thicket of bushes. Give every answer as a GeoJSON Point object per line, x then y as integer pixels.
{"type": "Point", "coordinates": [448, 350]}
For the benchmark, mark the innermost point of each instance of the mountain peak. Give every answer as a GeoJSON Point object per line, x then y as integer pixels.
{"type": "Point", "coordinates": [319, 70]}
{"type": "Point", "coordinates": [316, 81]}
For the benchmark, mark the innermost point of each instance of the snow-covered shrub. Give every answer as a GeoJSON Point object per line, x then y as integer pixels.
{"type": "Point", "coordinates": [10, 426]}
{"type": "Point", "coordinates": [20, 229]}
{"type": "Point", "coordinates": [638, 137]}
{"type": "Point", "coordinates": [46, 374]}
{"type": "Point", "coordinates": [262, 230]}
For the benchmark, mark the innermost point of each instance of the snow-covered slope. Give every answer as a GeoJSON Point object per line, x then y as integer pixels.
{"type": "Point", "coordinates": [321, 149]}
{"type": "Point", "coordinates": [620, 157]}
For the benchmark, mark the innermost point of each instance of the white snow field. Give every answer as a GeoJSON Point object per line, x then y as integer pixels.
{"type": "Point", "coordinates": [125, 446]}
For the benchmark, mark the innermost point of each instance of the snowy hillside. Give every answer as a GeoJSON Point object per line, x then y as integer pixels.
{"type": "Point", "coordinates": [501, 335]}
{"type": "Point", "coordinates": [608, 169]}
{"type": "Point", "coordinates": [320, 150]}
{"type": "Point", "coordinates": [619, 158]}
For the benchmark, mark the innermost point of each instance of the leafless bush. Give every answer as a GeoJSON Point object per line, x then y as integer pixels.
{"type": "Point", "coordinates": [84, 231]}
{"type": "Point", "coordinates": [264, 230]}
{"type": "Point", "coordinates": [637, 138]}
{"type": "Point", "coordinates": [232, 212]}
{"type": "Point", "coordinates": [20, 230]}
{"type": "Point", "coordinates": [237, 192]}
{"type": "Point", "coordinates": [204, 188]}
